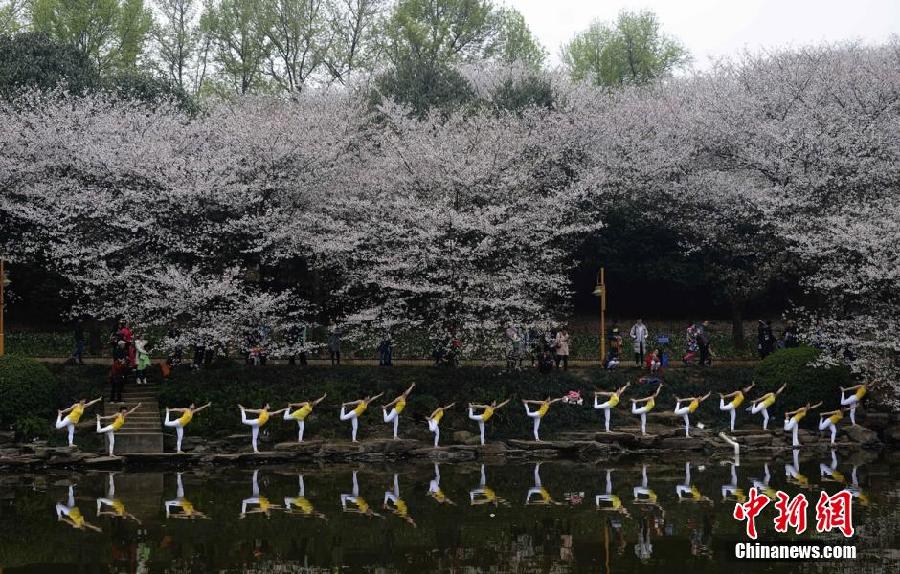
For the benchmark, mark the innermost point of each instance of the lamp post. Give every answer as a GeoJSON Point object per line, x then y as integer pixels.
{"type": "Point", "coordinates": [3, 283]}
{"type": "Point", "coordinates": [600, 291]}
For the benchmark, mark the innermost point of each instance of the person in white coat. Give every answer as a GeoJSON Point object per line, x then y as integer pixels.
{"type": "Point", "coordinates": [639, 335]}
{"type": "Point", "coordinates": [562, 348]}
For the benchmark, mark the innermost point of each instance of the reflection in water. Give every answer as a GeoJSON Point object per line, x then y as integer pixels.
{"type": "Point", "coordinates": [792, 471]}
{"type": "Point", "coordinates": [355, 504]}
{"type": "Point", "coordinates": [71, 515]}
{"type": "Point", "coordinates": [300, 504]}
{"type": "Point", "coordinates": [397, 505]}
{"type": "Point", "coordinates": [110, 500]}
{"type": "Point", "coordinates": [262, 504]}
{"type": "Point", "coordinates": [184, 507]}
{"type": "Point", "coordinates": [612, 502]}
{"type": "Point", "coordinates": [543, 497]}
{"type": "Point", "coordinates": [434, 487]}
{"type": "Point", "coordinates": [732, 491]}
{"type": "Point", "coordinates": [763, 484]}
{"type": "Point", "coordinates": [484, 494]}
{"type": "Point", "coordinates": [687, 490]}
{"type": "Point", "coordinates": [830, 472]}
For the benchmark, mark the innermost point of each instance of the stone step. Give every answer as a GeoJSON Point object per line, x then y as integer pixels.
{"type": "Point", "coordinates": [138, 442]}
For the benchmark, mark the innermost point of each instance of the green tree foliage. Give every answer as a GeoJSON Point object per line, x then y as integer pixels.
{"type": "Point", "coordinates": [27, 391]}
{"type": "Point", "coordinates": [34, 60]}
{"type": "Point", "coordinates": [110, 32]}
{"type": "Point", "coordinates": [12, 14]}
{"type": "Point", "coordinates": [239, 33]}
{"type": "Point", "coordinates": [632, 51]}
{"type": "Point", "coordinates": [805, 383]}
{"type": "Point", "coordinates": [514, 41]}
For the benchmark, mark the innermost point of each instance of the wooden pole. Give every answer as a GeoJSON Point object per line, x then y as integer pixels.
{"type": "Point", "coordinates": [601, 282]}
{"type": "Point", "coordinates": [2, 308]}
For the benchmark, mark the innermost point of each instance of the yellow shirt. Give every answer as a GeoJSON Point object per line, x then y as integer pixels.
{"type": "Point", "coordinates": [301, 413]}
{"type": "Point", "coordinates": [186, 417]}
{"type": "Point", "coordinates": [542, 410]}
{"type": "Point", "coordinates": [613, 400]}
{"type": "Point", "coordinates": [438, 415]}
{"type": "Point", "coordinates": [693, 406]}
{"type": "Point", "coordinates": [76, 517]}
{"type": "Point", "coordinates": [769, 401]}
{"type": "Point", "coordinates": [616, 501]}
{"type": "Point", "coordinates": [400, 405]}
{"type": "Point", "coordinates": [263, 417]}
{"type": "Point", "coordinates": [439, 495]}
{"type": "Point", "coordinates": [400, 508]}
{"type": "Point", "coordinates": [545, 496]}
{"type": "Point", "coordinates": [302, 503]}
{"type": "Point", "coordinates": [75, 413]}
{"type": "Point", "coordinates": [362, 505]}
{"type": "Point", "coordinates": [799, 416]}
{"type": "Point", "coordinates": [650, 404]}
{"type": "Point", "coordinates": [264, 503]}
{"type": "Point", "coordinates": [487, 414]}
{"type": "Point", "coordinates": [738, 399]}
{"type": "Point", "coordinates": [695, 493]}
{"type": "Point", "coordinates": [835, 418]}
{"type": "Point", "coordinates": [120, 420]}
{"type": "Point", "coordinates": [360, 409]}
{"type": "Point", "coordinates": [118, 507]}
{"type": "Point", "coordinates": [860, 393]}
{"type": "Point", "coordinates": [489, 494]}
{"type": "Point", "coordinates": [187, 507]}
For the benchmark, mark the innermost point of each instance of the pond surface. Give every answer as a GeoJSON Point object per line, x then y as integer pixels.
{"type": "Point", "coordinates": [670, 513]}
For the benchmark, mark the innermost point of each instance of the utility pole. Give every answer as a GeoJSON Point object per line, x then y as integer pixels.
{"type": "Point", "coordinates": [600, 292]}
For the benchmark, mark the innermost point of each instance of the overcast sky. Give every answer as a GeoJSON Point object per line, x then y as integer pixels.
{"type": "Point", "coordinates": [715, 28]}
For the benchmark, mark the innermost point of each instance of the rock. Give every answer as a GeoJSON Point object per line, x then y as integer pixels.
{"type": "Point", "coordinates": [623, 438]}
{"type": "Point", "coordinates": [455, 453]}
{"type": "Point", "coordinates": [462, 436]}
{"type": "Point", "coordinates": [67, 459]}
{"type": "Point", "coordinates": [540, 453]}
{"type": "Point", "coordinates": [752, 440]}
{"type": "Point", "coordinates": [492, 449]}
{"type": "Point", "coordinates": [104, 461]}
{"type": "Point", "coordinates": [594, 450]}
{"type": "Point", "coordinates": [308, 447]}
{"type": "Point", "coordinates": [555, 445]}
{"type": "Point", "coordinates": [877, 421]}
{"type": "Point", "coordinates": [19, 460]}
{"type": "Point", "coordinates": [7, 437]}
{"type": "Point", "coordinates": [892, 434]}
{"type": "Point", "coordinates": [682, 443]}
{"type": "Point", "coordinates": [865, 437]}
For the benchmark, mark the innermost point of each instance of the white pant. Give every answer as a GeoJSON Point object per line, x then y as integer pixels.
{"type": "Point", "coordinates": [607, 408]}
{"type": "Point", "coordinates": [434, 426]}
{"type": "Point", "coordinates": [790, 425]}
{"type": "Point", "coordinates": [480, 419]}
{"type": "Point", "coordinates": [643, 412]}
{"type": "Point", "coordinates": [354, 421]}
{"type": "Point", "coordinates": [254, 427]}
{"type": "Point", "coordinates": [393, 417]}
{"type": "Point", "coordinates": [728, 407]}
{"type": "Point", "coordinates": [110, 433]}
{"type": "Point", "coordinates": [301, 425]}
{"type": "Point", "coordinates": [179, 430]}
{"type": "Point", "coordinates": [826, 423]}
{"type": "Point", "coordinates": [536, 415]}
{"type": "Point", "coordinates": [64, 422]}
{"type": "Point", "coordinates": [761, 408]}
{"type": "Point", "coordinates": [852, 402]}
{"type": "Point", "coordinates": [684, 412]}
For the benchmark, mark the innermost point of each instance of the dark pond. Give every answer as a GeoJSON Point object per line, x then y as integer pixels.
{"type": "Point", "coordinates": [670, 513]}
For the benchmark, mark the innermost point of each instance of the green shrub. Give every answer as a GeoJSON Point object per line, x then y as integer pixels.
{"type": "Point", "coordinates": [27, 391]}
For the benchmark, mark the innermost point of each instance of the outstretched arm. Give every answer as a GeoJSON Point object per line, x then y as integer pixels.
{"type": "Point", "coordinates": [781, 388]}
{"type": "Point", "coordinates": [853, 388]}
{"type": "Point", "coordinates": [477, 406]}
{"type": "Point", "coordinates": [279, 411]}
{"type": "Point", "coordinates": [503, 404]}
{"type": "Point", "coordinates": [93, 402]}
{"type": "Point", "coordinates": [198, 409]}
{"type": "Point", "coordinates": [556, 400]}
{"type": "Point", "coordinates": [370, 399]}
{"type": "Point", "coordinates": [604, 393]}
{"type": "Point", "coordinates": [409, 390]}
{"type": "Point", "coordinates": [249, 410]}
{"type": "Point", "coordinates": [136, 407]}
{"type": "Point", "coordinates": [179, 409]}
{"type": "Point", "coordinates": [352, 403]}
{"type": "Point", "coordinates": [450, 406]}
{"type": "Point", "coordinates": [320, 399]}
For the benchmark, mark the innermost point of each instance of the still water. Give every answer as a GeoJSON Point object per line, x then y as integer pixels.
{"type": "Point", "coordinates": [671, 514]}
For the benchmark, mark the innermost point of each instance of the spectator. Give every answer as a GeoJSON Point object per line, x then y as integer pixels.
{"type": "Point", "coordinates": [639, 336]}
{"type": "Point", "coordinates": [514, 352]}
{"type": "Point", "coordinates": [117, 380]}
{"type": "Point", "coordinates": [615, 340]}
{"type": "Point", "coordinates": [334, 345]}
{"type": "Point", "coordinates": [791, 336]}
{"type": "Point", "coordinates": [545, 361]}
{"type": "Point", "coordinates": [765, 339]}
{"type": "Point", "coordinates": [562, 348]}
{"type": "Point", "coordinates": [143, 361]}
{"type": "Point", "coordinates": [690, 344]}
{"type": "Point", "coordinates": [386, 351]}
{"type": "Point", "coordinates": [199, 354]}
{"type": "Point", "coordinates": [653, 361]}
{"type": "Point", "coordinates": [78, 353]}
{"type": "Point", "coordinates": [704, 336]}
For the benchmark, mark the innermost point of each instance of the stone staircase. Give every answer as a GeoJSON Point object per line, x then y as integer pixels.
{"type": "Point", "coordinates": [142, 432]}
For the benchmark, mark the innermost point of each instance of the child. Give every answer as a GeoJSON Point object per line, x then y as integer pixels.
{"type": "Point", "coordinates": [653, 361]}
{"type": "Point", "coordinates": [143, 361]}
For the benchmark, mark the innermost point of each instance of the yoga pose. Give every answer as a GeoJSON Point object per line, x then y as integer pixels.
{"type": "Point", "coordinates": [434, 487]}
{"type": "Point", "coordinates": [186, 415]}
{"type": "Point", "coordinates": [649, 403]}
{"type": "Point", "coordinates": [258, 422]}
{"type": "Point", "coordinates": [71, 515]}
{"type": "Point", "coordinates": [688, 491]}
{"type": "Point", "coordinates": [737, 398]}
{"type": "Point", "coordinates": [793, 418]}
{"type": "Point", "coordinates": [853, 400]}
{"type": "Point", "coordinates": [611, 402]}
{"type": "Point", "coordinates": [397, 405]}
{"type": "Point", "coordinates": [302, 411]}
{"type": "Point", "coordinates": [263, 506]}
{"type": "Point", "coordinates": [643, 494]}
{"type": "Point", "coordinates": [359, 407]}
{"type": "Point", "coordinates": [544, 498]}
{"type": "Point", "coordinates": [829, 420]}
{"type": "Point", "coordinates": [110, 500]}
{"type": "Point", "coordinates": [110, 429]}
{"type": "Point", "coordinates": [614, 502]}
{"type": "Point", "coordinates": [685, 411]}
{"type": "Point", "coordinates": [792, 472]}
{"type": "Point", "coordinates": [434, 422]}
{"type": "Point", "coordinates": [73, 415]}
{"type": "Point", "coordinates": [487, 411]}
{"type": "Point", "coordinates": [355, 504]}
{"type": "Point", "coordinates": [538, 413]}
{"type": "Point", "coordinates": [484, 494]}
{"type": "Point", "coordinates": [300, 504]}
{"type": "Point", "coordinates": [830, 473]}
{"type": "Point", "coordinates": [763, 485]}
{"type": "Point", "coordinates": [397, 505]}
{"type": "Point", "coordinates": [188, 511]}
{"type": "Point", "coordinates": [762, 404]}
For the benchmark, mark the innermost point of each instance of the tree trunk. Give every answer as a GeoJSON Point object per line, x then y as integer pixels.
{"type": "Point", "coordinates": [737, 323]}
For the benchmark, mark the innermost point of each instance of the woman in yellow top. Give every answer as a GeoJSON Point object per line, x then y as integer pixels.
{"type": "Point", "coordinates": [396, 504]}
{"type": "Point", "coordinates": [263, 506]}
{"type": "Point", "coordinates": [359, 407]}
{"type": "Point", "coordinates": [543, 497]}
{"type": "Point", "coordinates": [793, 418]}
{"type": "Point", "coordinates": [72, 416]}
{"type": "Point", "coordinates": [355, 504]}
{"type": "Point", "coordinates": [299, 411]}
{"type": "Point", "coordinates": [186, 415]}
{"type": "Point", "coordinates": [649, 403]}
{"type": "Point", "coordinates": [434, 422]}
{"type": "Point", "coordinates": [110, 429]}
{"type": "Point", "coordinates": [539, 413]}
{"type": "Point", "coordinates": [110, 500]}
{"type": "Point", "coordinates": [258, 422]}
{"type": "Point", "coordinates": [829, 420]}
{"type": "Point", "coordinates": [434, 487]}
{"type": "Point", "coordinates": [397, 405]}
{"type": "Point", "coordinates": [71, 515]}
{"type": "Point", "coordinates": [690, 407]}
{"type": "Point", "coordinates": [762, 404]}
{"type": "Point", "coordinates": [853, 400]}
{"type": "Point", "coordinates": [487, 411]}
{"type": "Point", "coordinates": [643, 494]}
{"type": "Point", "coordinates": [613, 502]}
{"type": "Point", "coordinates": [300, 504]}
{"type": "Point", "coordinates": [188, 511]}
{"type": "Point", "coordinates": [484, 494]}
{"type": "Point", "coordinates": [737, 399]}
{"type": "Point", "coordinates": [611, 403]}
